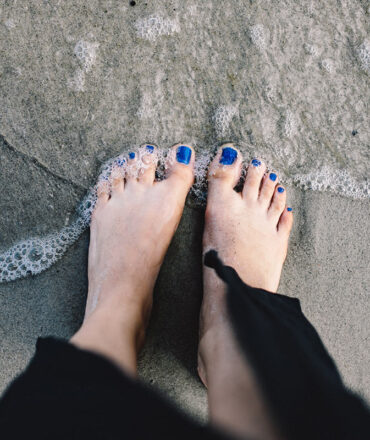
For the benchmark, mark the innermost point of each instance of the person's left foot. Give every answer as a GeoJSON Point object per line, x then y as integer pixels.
{"type": "Point", "coordinates": [131, 228]}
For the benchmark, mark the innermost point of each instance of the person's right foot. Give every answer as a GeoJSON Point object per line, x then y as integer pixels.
{"type": "Point", "coordinates": [250, 232]}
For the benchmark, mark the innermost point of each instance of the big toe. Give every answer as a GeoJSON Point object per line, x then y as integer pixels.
{"type": "Point", "coordinates": [180, 168]}
{"type": "Point", "coordinates": [225, 169]}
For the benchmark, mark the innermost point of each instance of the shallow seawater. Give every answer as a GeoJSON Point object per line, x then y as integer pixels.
{"type": "Point", "coordinates": [284, 81]}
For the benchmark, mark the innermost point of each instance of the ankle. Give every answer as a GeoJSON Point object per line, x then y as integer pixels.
{"type": "Point", "coordinates": [115, 332]}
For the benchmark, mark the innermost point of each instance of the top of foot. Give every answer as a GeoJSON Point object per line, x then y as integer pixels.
{"type": "Point", "coordinates": [132, 225]}
{"type": "Point", "coordinates": [249, 229]}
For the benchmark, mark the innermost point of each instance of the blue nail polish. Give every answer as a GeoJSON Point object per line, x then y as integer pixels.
{"type": "Point", "coordinates": [120, 162]}
{"type": "Point", "coordinates": [150, 149]}
{"type": "Point", "coordinates": [289, 209]}
{"type": "Point", "coordinates": [280, 189]}
{"type": "Point", "coordinates": [273, 177]}
{"type": "Point", "coordinates": [183, 154]}
{"type": "Point", "coordinates": [131, 155]}
{"type": "Point", "coordinates": [228, 156]}
{"type": "Point", "coordinates": [256, 162]}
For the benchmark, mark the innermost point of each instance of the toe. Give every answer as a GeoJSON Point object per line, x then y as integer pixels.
{"type": "Point", "coordinates": [224, 170]}
{"type": "Point", "coordinates": [286, 221]}
{"type": "Point", "coordinates": [117, 175]}
{"type": "Point", "coordinates": [268, 186]}
{"type": "Point", "coordinates": [180, 167]}
{"type": "Point", "coordinates": [132, 168]}
{"type": "Point", "coordinates": [255, 173]}
{"type": "Point", "coordinates": [148, 162]}
{"type": "Point", "coordinates": [278, 203]}
{"type": "Point", "coordinates": [103, 191]}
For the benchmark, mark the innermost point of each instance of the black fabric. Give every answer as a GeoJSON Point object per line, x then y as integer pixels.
{"type": "Point", "coordinates": [68, 393]}
{"type": "Point", "coordinates": [295, 372]}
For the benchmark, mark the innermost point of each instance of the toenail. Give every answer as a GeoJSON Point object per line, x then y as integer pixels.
{"type": "Point", "coordinates": [183, 154]}
{"type": "Point", "coordinates": [228, 156]}
{"type": "Point", "coordinates": [289, 209]}
{"type": "Point", "coordinates": [120, 162]}
{"type": "Point", "coordinates": [273, 177]}
{"type": "Point", "coordinates": [280, 189]}
{"type": "Point", "coordinates": [256, 162]}
{"type": "Point", "coordinates": [150, 149]}
{"type": "Point", "coordinates": [131, 155]}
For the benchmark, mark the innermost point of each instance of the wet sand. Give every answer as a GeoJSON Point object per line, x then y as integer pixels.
{"type": "Point", "coordinates": [290, 83]}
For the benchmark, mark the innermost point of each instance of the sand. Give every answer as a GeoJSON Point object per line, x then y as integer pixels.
{"type": "Point", "coordinates": [82, 81]}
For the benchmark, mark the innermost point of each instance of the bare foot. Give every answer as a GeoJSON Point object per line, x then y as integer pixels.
{"type": "Point", "coordinates": [250, 231]}
{"type": "Point", "coordinates": [131, 229]}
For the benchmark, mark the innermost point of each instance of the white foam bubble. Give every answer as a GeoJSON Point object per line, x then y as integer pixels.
{"type": "Point", "coordinates": [152, 27]}
{"type": "Point", "coordinates": [258, 35]}
{"type": "Point", "coordinates": [222, 118]}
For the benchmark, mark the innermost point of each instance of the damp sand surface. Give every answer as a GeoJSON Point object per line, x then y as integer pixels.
{"type": "Point", "coordinates": [288, 83]}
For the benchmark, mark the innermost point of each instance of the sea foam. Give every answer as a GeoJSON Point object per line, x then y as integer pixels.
{"type": "Point", "coordinates": [35, 255]}
{"type": "Point", "coordinates": [152, 27]}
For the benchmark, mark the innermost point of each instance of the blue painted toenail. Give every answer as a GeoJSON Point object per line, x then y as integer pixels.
{"type": "Point", "coordinates": [273, 176]}
{"type": "Point", "coordinates": [120, 162]}
{"type": "Point", "coordinates": [289, 209]}
{"type": "Point", "coordinates": [256, 162]}
{"type": "Point", "coordinates": [149, 148]}
{"type": "Point", "coordinates": [280, 189]}
{"type": "Point", "coordinates": [131, 155]}
{"type": "Point", "coordinates": [183, 154]}
{"type": "Point", "coordinates": [228, 156]}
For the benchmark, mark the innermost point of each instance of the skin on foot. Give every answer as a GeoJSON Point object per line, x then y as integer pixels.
{"type": "Point", "coordinates": [132, 225]}
{"type": "Point", "coordinates": [250, 231]}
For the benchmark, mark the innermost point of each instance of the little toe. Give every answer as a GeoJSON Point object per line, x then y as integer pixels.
{"type": "Point", "coordinates": [148, 164]}
{"type": "Point", "coordinates": [255, 173]}
{"type": "Point", "coordinates": [278, 203]}
{"type": "Point", "coordinates": [268, 186]}
{"type": "Point", "coordinates": [286, 221]}
{"type": "Point", "coordinates": [180, 167]}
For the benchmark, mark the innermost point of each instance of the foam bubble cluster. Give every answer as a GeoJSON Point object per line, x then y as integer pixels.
{"type": "Point", "coordinates": [327, 65]}
{"type": "Point", "coordinates": [310, 49]}
{"type": "Point", "coordinates": [152, 27]}
{"type": "Point", "coordinates": [332, 180]}
{"type": "Point", "coordinates": [32, 256]}
{"type": "Point", "coordinates": [363, 55]}
{"type": "Point", "coordinates": [86, 53]}
{"type": "Point", "coordinates": [289, 124]}
{"type": "Point", "coordinates": [222, 119]}
{"type": "Point", "coordinates": [258, 35]}
{"type": "Point", "coordinates": [10, 24]}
